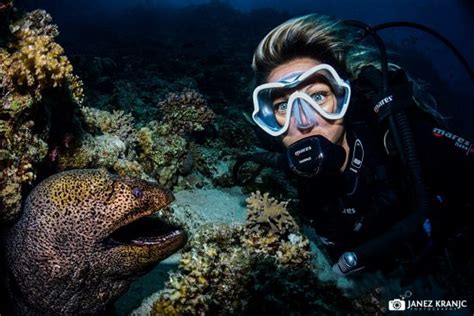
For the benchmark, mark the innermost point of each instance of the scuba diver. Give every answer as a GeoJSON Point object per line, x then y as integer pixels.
{"type": "Point", "coordinates": [379, 176]}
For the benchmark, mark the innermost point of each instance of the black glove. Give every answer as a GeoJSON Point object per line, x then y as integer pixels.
{"type": "Point", "coordinates": [369, 88]}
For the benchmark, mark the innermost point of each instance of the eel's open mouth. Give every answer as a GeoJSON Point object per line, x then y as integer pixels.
{"type": "Point", "coordinates": [147, 231]}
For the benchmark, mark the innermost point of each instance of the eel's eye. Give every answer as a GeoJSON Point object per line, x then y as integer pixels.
{"type": "Point", "coordinates": [137, 192]}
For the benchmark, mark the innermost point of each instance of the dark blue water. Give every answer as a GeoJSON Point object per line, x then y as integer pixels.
{"type": "Point", "coordinates": [181, 34]}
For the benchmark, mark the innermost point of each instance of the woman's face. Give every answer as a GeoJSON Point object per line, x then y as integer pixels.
{"type": "Point", "coordinates": [318, 90]}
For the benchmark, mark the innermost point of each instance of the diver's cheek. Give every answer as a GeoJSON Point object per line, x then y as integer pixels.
{"type": "Point", "coordinates": [335, 131]}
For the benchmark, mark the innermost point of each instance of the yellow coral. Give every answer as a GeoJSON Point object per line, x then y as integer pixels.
{"type": "Point", "coordinates": [265, 213]}
{"type": "Point", "coordinates": [29, 63]}
{"type": "Point", "coordinates": [128, 168]}
{"type": "Point", "coordinates": [216, 266]}
{"type": "Point", "coordinates": [294, 252]}
{"type": "Point", "coordinates": [19, 149]}
{"type": "Point", "coordinates": [161, 156]}
{"type": "Point", "coordinates": [236, 270]}
{"type": "Point", "coordinates": [37, 61]}
{"type": "Point", "coordinates": [77, 88]}
{"type": "Point", "coordinates": [145, 141]}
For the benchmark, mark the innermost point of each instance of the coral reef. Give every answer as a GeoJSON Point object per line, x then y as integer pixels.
{"type": "Point", "coordinates": [159, 150]}
{"type": "Point", "coordinates": [34, 61]}
{"type": "Point", "coordinates": [161, 154]}
{"type": "Point", "coordinates": [105, 151]}
{"type": "Point", "coordinates": [267, 213]}
{"type": "Point", "coordinates": [18, 153]}
{"type": "Point", "coordinates": [251, 268]}
{"type": "Point", "coordinates": [185, 112]}
{"type": "Point", "coordinates": [234, 130]}
{"type": "Point", "coordinates": [108, 142]}
{"type": "Point", "coordinates": [32, 65]}
{"type": "Point", "coordinates": [117, 123]}
{"type": "Point", "coordinates": [214, 161]}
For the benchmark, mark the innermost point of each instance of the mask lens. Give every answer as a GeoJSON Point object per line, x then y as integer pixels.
{"type": "Point", "coordinates": [319, 88]}
{"type": "Point", "coordinates": [322, 87]}
{"type": "Point", "coordinates": [269, 114]}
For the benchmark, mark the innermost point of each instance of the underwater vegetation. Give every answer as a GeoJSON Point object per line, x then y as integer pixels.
{"type": "Point", "coordinates": [45, 121]}
{"type": "Point", "coordinates": [32, 64]}
{"type": "Point", "coordinates": [264, 266]}
{"type": "Point", "coordinates": [159, 150]}
{"type": "Point", "coordinates": [185, 113]}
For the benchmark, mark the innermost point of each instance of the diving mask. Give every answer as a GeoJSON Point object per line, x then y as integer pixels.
{"type": "Point", "coordinates": [299, 101]}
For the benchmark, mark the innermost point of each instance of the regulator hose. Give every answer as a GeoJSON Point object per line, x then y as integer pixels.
{"type": "Point", "coordinates": [405, 144]}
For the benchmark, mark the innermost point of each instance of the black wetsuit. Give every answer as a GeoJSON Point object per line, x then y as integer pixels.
{"type": "Point", "coordinates": [373, 194]}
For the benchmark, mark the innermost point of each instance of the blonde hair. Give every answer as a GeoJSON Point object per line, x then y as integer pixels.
{"type": "Point", "coordinates": [329, 41]}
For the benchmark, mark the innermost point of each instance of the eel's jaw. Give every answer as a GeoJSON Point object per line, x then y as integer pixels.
{"type": "Point", "coordinates": [147, 237]}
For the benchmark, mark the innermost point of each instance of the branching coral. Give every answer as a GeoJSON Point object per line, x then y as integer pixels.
{"type": "Point", "coordinates": [101, 152]}
{"type": "Point", "coordinates": [267, 214]}
{"type": "Point", "coordinates": [109, 144]}
{"type": "Point", "coordinates": [154, 150]}
{"type": "Point", "coordinates": [185, 112]}
{"type": "Point", "coordinates": [161, 156]}
{"type": "Point", "coordinates": [17, 154]}
{"type": "Point", "coordinates": [117, 123]}
{"type": "Point", "coordinates": [34, 61]}
{"type": "Point", "coordinates": [210, 267]}
{"type": "Point", "coordinates": [159, 150]}
{"type": "Point", "coordinates": [235, 270]}
{"type": "Point", "coordinates": [31, 63]}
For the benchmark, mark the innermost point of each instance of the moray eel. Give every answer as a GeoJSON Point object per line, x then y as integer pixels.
{"type": "Point", "coordinates": [83, 237]}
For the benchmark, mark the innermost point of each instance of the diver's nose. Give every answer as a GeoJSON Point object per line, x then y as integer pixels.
{"type": "Point", "coordinates": [304, 114]}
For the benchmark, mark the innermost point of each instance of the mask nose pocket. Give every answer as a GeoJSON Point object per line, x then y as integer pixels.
{"type": "Point", "coordinates": [304, 114]}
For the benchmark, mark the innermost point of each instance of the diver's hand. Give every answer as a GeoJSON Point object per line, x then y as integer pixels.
{"type": "Point", "coordinates": [346, 264]}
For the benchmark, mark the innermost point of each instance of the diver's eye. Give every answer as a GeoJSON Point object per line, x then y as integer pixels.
{"type": "Point", "coordinates": [137, 192]}
{"type": "Point", "coordinates": [319, 97]}
{"type": "Point", "coordinates": [280, 107]}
